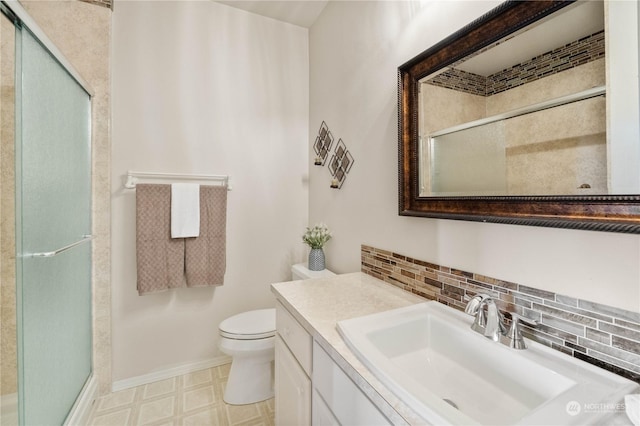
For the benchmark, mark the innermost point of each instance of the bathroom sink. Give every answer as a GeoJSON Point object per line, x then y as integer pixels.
{"type": "Point", "coordinates": [429, 357]}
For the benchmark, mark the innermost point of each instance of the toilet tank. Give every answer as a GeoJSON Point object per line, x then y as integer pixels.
{"type": "Point", "coordinates": [301, 272]}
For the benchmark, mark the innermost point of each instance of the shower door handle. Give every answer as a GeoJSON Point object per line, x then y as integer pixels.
{"type": "Point", "coordinates": [85, 239]}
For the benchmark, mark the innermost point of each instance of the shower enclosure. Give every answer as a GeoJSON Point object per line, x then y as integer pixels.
{"type": "Point", "coordinates": [46, 226]}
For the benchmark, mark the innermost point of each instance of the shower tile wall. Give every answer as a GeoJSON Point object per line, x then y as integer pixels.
{"type": "Point", "coordinates": [566, 155]}
{"type": "Point", "coordinates": [601, 335]}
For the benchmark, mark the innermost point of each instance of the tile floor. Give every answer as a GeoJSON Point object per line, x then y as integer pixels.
{"type": "Point", "coordinates": [191, 399]}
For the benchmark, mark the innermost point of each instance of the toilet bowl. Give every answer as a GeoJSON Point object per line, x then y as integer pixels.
{"type": "Point", "coordinates": [249, 339]}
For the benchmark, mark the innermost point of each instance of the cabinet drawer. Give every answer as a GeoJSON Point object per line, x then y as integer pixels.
{"type": "Point", "coordinates": [295, 336]}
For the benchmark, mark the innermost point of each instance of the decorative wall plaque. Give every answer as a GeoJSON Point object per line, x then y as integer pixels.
{"type": "Point", "coordinates": [340, 164]}
{"type": "Point", "coordinates": [323, 144]}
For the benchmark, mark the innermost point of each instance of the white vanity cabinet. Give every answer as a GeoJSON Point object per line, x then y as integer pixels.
{"type": "Point", "coordinates": [310, 388]}
{"type": "Point", "coordinates": [336, 399]}
{"type": "Point", "coordinates": [293, 352]}
{"type": "Point", "coordinates": [343, 391]}
{"type": "Point", "coordinates": [321, 414]}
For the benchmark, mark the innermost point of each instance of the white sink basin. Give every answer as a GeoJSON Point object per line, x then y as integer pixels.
{"type": "Point", "coordinates": [430, 358]}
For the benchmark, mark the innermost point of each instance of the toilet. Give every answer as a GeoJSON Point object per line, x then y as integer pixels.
{"type": "Point", "coordinates": [249, 338]}
{"type": "Point", "coordinates": [301, 272]}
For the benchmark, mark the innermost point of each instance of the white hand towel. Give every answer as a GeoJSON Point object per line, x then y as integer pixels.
{"type": "Point", "coordinates": [185, 210]}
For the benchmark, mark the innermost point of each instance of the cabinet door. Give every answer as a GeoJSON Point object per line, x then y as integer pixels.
{"type": "Point", "coordinates": [343, 398]}
{"type": "Point", "coordinates": [294, 336]}
{"type": "Point", "coordinates": [321, 414]}
{"type": "Point", "coordinates": [292, 389]}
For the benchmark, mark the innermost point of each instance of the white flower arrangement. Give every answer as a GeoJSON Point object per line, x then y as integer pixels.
{"type": "Point", "coordinates": [317, 236]}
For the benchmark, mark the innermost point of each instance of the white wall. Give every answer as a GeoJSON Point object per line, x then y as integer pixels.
{"type": "Point", "coordinates": [199, 87]}
{"type": "Point", "coordinates": [355, 49]}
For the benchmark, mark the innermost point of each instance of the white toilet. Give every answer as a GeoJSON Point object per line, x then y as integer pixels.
{"type": "Point", "coordinates": [301, 272]}
{"type": "Point", "coordinates": [249, 339]}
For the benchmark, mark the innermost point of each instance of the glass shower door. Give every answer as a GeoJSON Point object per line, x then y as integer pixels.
{"type": "Point", "coordinates": [53, 209]}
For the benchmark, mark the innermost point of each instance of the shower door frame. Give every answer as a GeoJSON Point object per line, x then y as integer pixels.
{"type": "Point", "coordinates": [22, 20]}
{"type": "Point", "coordinates": [16, 11]}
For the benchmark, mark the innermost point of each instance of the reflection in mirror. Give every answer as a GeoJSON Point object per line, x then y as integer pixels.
{"type": "Point", "coordinates": [524, 116]}
{"type": "Point", "coordinates": [577, 195]}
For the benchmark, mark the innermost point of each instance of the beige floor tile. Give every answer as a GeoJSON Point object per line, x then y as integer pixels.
{"type": "Point", "coordinates": [218, 387]}
{"type": "Point", "coordinates": [117, 399]}
{"type": "Point", "coordinates": [269, 405]}
{"type": "Point", "coordinates": [156, 411]}
{"type": "Point", "coordinates": [172, 422]}
{"type": "Point", "coordinates": [163, 387]}
{"type": "Point", "coordinates": [222, 371]}
{"type": "Point", "coordinates": [211, 416]}
{"type": "Point", "coordinates": [118, 418]}
{"type": "Point", "coordinates": [267, 411]}
{"type": "Point", "coordinates": [254, 422]}
{"type": "Point", "coordinates": [198, 378]}
{"type": "Point", "coordinates": [198, 398]}
{"type": "Point", "coordinates": [194, 399]}
{"type": "Point", "coordinates": [238, 414]}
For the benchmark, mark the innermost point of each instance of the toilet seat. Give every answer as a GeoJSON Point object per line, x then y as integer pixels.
{"type": "Point", "coordinates": [251, 325]}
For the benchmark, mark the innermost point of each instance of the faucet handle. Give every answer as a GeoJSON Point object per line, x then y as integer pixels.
{"type": "Point", "coordinates": [494, 327]}
{"type": "Point", "coordinates": [522, 318]}
{"type": "Point", "coordinates": [473, 304]}
{"type": "Point", "coordinates": [514, 338]}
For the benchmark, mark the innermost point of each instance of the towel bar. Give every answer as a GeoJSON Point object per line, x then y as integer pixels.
{"type": "Point", "coordinates": [132, 178]}
{"type": "Point", "coordinates": [85, 239]}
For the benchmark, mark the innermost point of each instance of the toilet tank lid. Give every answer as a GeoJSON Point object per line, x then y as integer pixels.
{"type": "Point", "coordinates": [301, 270]}
{"type": "Point", "coordinates": [250, 322]}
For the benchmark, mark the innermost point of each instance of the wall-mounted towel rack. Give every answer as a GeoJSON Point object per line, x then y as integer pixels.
{"type": "Point", "coordinates": [134, 177]}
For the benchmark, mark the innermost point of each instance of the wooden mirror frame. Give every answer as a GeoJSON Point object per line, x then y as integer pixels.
{"type": "Point", "coordinates": [610, 213]}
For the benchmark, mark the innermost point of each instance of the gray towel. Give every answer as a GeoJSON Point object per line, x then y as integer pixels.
{"type": "Point", "coordinates": [160, 259]}
{"type": "Point", "coordinates": [205, 255]}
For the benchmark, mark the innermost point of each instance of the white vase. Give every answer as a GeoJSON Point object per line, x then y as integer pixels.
{"type": "Point", "coordinates": [316, 260]}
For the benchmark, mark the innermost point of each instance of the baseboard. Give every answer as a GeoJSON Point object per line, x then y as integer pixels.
{"type": "Point", "coordinates": [169, 372]}
{"type": "Point", "coordinates": [79, 414]}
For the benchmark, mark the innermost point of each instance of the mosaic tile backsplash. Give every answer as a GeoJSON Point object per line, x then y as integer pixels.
{"type": "Point", "coordinates": [579, 52]}
{"type": "Point", "coordinates": [602, 335]}
{"type": "Point", "coordinates": [572, 55]}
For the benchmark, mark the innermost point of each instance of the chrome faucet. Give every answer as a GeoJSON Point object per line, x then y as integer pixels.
{"type": "Point", "coordinates": [491, 323]}
{"type": "Point", "coordinates": [513, 338]}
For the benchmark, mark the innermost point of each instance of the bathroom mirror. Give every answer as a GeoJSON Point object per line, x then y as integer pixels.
{"type": "Point", "coordinates": [505, 121]}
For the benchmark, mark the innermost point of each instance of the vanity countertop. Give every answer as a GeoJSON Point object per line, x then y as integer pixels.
{"type": "Point", "coordinates": [318, 304]}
